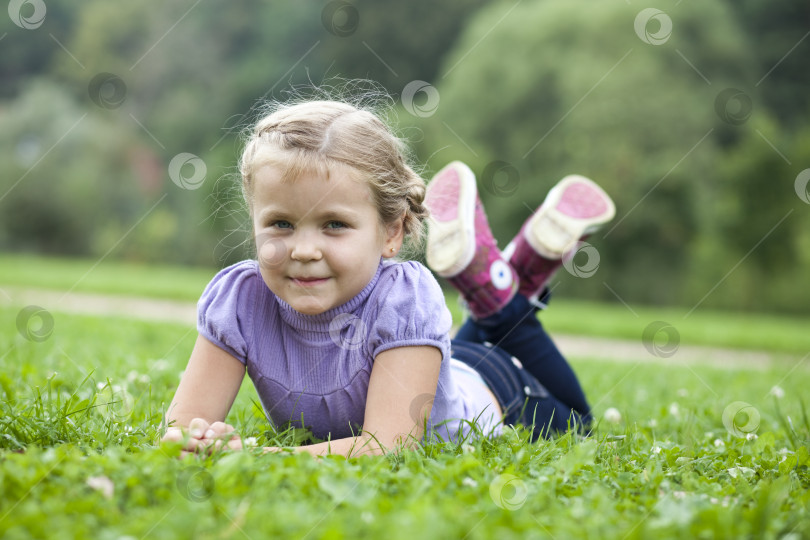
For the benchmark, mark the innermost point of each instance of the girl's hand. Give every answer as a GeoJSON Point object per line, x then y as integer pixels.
{"type": "Point", "coordinates": [202, 437]}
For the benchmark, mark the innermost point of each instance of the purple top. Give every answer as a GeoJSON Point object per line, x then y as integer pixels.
{"type": "Point", "coordinates": [313, 370]}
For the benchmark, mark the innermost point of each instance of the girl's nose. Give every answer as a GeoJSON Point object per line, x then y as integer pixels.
{"type": "Point", "coordinates": [305, 247]}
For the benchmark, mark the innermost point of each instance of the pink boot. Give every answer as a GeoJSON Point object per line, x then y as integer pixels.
{"type": "Point", "coordinates": [460, 246]}
{"type": "Point", "coordinates": [575, 208]}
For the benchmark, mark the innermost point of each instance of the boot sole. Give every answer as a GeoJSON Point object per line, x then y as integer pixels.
{"type": "Point", "coordinates": [574, 208]}
{"type": "Point", "coordinates": [451, 233]}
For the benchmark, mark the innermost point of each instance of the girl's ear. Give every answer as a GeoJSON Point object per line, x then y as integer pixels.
{"type": "Point", "coordinates": [395, 235]}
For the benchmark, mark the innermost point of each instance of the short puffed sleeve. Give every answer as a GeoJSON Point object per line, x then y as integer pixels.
{"type": "Point", "coordinates": [226, 308]}
{"type": "Point", "coordinates": [410, 310]}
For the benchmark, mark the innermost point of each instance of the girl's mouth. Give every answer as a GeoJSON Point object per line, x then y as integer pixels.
{"type": "Point", "coordinates": [308, 281]}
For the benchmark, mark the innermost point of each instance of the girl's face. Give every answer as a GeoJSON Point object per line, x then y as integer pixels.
{"type": "Point", "coordinates": [318, 240]}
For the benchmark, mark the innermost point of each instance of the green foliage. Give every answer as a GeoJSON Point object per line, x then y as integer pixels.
{"type": "Point", "coordinates": [779, 29]}
{"type": "Point", "coordinates": [56, 191]}
{"type": "Point", "coordinates": [547, 88]}
{"type": "Point", "coordinates": [81, 416]}
{"type": "Point", "coordinates": [699, 178]}
{"type": "Point", "coordinates": [569, 87]}
{"type": "Point", "coordinates": [394, 42]}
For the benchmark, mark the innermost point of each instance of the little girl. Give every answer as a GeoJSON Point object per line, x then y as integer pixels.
{"type": "Point", "coordinates": [339, 337]}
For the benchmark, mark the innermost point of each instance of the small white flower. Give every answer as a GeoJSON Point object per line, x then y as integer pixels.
{"type": "Point", "coordinates": [469, 482]}
{"type": "Point", "coordinates": [467, 448]}
{"type": "Point", "coordinates": [655, 449]}
{"type": "Point", "coordinates": [777, 392]}
{"type": "Point", "coordinates": [102, 484]}
{"type": "Point", "coordinates": [613, 415]}
{"type": "Point", "coordinates": [367, 517]}
{"type": "Point", "coordinates": [714, 500]}
{"type": "Point", "coordinates": [751, 436]}
{"type": "Point", "coordinates": [250, 442]}
{"type": "Point", "coordinates": [653, 422]}
{"type": "Point", "coordinates": [674, 409]}
{"type": "Point", "coordinates": [160, 365]}
{"type": "Point", "coordinates": [144, 379]}
{"type": "Point", "coordinates": [719, 443]}
{"type": "Point", "coordinates": [679, 494]}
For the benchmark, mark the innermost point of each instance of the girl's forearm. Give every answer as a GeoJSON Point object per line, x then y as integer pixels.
{"type": "Point", "coordinates": [360, 445]}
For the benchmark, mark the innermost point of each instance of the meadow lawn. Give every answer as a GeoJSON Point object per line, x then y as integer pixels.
{"type": "Point", "coordinates": [680, 450]}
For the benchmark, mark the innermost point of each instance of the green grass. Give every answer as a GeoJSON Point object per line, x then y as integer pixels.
{"type": "Point", "coordinates": [701, 327]}
{"type": "Point", "coordinates": [757, 331]}
{"type": "Point", "coordinates": [83, 409]}
{"type": "Point", "coordinates": [106, 277]}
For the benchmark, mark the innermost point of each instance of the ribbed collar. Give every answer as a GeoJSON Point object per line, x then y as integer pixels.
{"type": "Point", "coordinates": [322, 321]}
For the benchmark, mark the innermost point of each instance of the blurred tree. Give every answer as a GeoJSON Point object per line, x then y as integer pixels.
{"type": "Point", "coordinates": [57, 194]}
{"type": "Point", "coordinates": [389, 41]}
{"type": "Point", "coordinates": [755, 251]}
{"type": "Point", "coordinates": [781, 31]}
{"type": "Point", "coordinates": [184, 77]}
{"type": "Point", "coordinates": [559, 87]}
{"type": "Point", "coordinates": [695, 128]}
{"type": "Point", "coordinates": [30, 40]}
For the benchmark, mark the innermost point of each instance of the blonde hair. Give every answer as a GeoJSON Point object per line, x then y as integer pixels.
{"type": "Point", "coordinates": [313, 136]}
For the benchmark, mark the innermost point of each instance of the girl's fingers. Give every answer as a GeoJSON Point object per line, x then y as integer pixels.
{"type": "Point", "coordinates": [218, 429]}
{"type": "Point", "coordinates": [173, 434]}
{"type": "Point", "coordinates": [202, 437]}
{"type": "Point", "coordinates": [197, 428]}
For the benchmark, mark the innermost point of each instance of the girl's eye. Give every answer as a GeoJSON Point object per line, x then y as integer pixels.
{"type": "Point", "coordinates": [281, 224]}
{"type": "Point", "coordinates": [335, 225]}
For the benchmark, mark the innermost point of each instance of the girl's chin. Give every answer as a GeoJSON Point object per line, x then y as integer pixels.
{"type": "Point", "coordinates": [309, 306]}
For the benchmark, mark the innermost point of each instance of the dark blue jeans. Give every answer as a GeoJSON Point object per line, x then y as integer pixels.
{"type": "Point", "coordinates": [522, 366]}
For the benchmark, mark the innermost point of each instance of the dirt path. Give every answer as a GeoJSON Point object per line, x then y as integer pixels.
{"type": "Point", "coordinates": [617, 350]}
